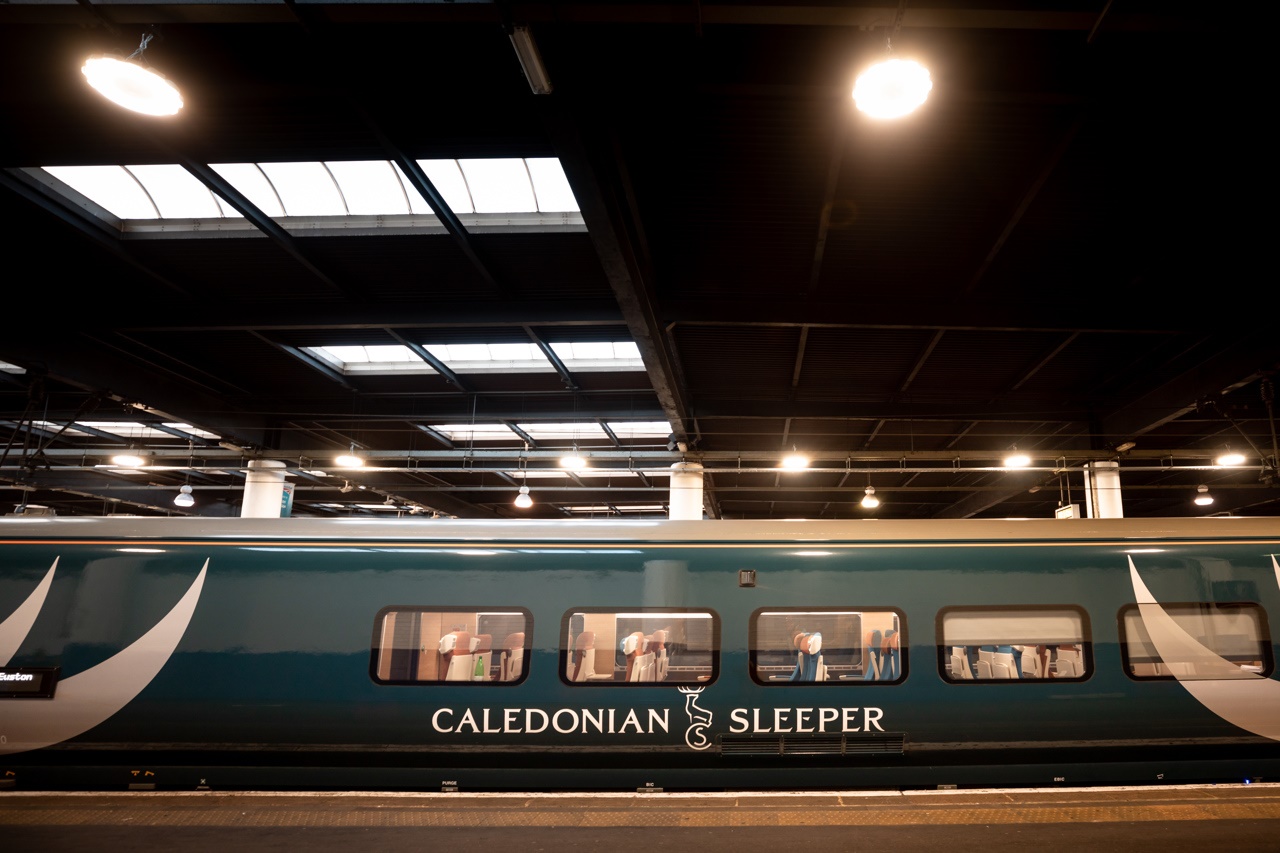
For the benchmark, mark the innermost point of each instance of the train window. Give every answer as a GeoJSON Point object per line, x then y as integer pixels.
{"type": "Point", "coordinates": [640, 647]}
{"type": "Point", "coordinates": [836, 645]}
{"type": "Point", "coordinates": [1195, 641]}
{"type": "Point", "coordinates": [1024, 644]}
{"type": "Point", "coordinates": [421, 645]}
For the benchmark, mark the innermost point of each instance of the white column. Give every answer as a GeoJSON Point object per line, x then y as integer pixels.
{"type": "Point", "coordinates": [686, 492]}
{"type": "Point", "coordinates": [1102, 490]}
{"type": "Point", "coordinates": [263, 489]}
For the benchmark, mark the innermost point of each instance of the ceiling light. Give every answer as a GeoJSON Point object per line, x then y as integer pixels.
{"type": "Point", "coordinates": [349, 459]}
{"type": "Point", "coordinates": [1203, 498]}
{"type": "Point", "coordinates": [184, 498]}
{"type": "Point", "coordinates": [129, 459]}
{"type": "Point", "coordinates": [795, 462]}
{"type": "Point", "coordinates": [573, 461]}
{"type": "Point", "coordinates": [870, 501]}
{"type": "Point", "coordinates": [1017, 460]}
{"type": "Point", "coordinates": [131, 84]}
{"type": "Point", "coordinates": [523, 500]}
{"type": "Point", "coordinates": [1125, 446]}
{"type": "Point", "coordinates": [892, 88]}
{"type": "Point", "coordinates": [1228, 458]}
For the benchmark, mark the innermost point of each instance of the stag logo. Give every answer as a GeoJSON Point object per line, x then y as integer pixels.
{"type": "Point", "coordinates": [699, 719]}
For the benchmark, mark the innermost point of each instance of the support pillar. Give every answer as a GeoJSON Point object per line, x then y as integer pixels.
{"type": "Point", "coordinates": [264, 490]}
{"type": "Point", "coordinates": [1102, 490]}
{"type": "Point", "coordinates": [685, 502]}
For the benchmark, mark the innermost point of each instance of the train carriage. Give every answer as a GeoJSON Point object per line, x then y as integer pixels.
{"type": "Point", "coordinates": [427, 654]}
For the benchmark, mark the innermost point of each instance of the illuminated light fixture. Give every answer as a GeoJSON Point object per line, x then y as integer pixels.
{"type": "Point", "coordinates": [1203, 498]}
{"type": "Point", "coordinates": [129, 459]}
{"type": "Point", "coordinates": [1017, 460]}
{"type": "Point", "coordinates": [1229, 458]}
{"type": "Point", "coordinates": [184, 498]}
{"type": "Point", "coordinates": [892, 88]}
{"type": "Point", "coordinates": [523, 500]}
{"type": "Point", "coordinates": [795, 462]}
{"type": "Point", "coordinates": [131, 84]}
{"type": "Point", "coordinates": [349, 459]}
{"type": "Point", "coordinates": [573, 461]}
{"type": "Point", "coordinates": [869, 500]}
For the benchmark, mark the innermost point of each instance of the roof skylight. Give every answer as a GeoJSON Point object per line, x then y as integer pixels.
{"type": "Point", "coordinates": [325, 189]}
{"type": "Point", "coordinates": [483, 358]}
{"type": "Point", "coordinates": [127, 429]}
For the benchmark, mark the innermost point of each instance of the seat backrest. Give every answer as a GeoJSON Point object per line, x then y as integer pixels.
{"type": "Point", "coordinates": [512, 663]}
{"type": "Point", "coordinates": [984, 668]}
{"type": "Point", "coordinates": [455, 656]}
{"type": "Point", "coordinates": [583, 660]}
{"type": "Point", "coordinates": [658, 645]}
{"type": "Point", "coordinates": [872, 662]}
{"type": "Point", "coordinates": [1003, 665]}
{"type": "Point", "coordinates": [483, 657]}
{"type": "Point", "coordinates": [890, 655]}
{"type": "Point", "coordinates": [1030, 663]}
{"type": "Point", "coordinates": [633, 647]}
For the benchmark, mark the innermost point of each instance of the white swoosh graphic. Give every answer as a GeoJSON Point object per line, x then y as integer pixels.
{"type": "Point", "coordinates": [1243, 699]}
{"type": "Point", "coordinates": [15, 629]}
{"type": "Point", "coordinates": [87, 699]}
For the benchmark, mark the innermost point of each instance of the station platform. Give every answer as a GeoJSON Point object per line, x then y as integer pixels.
{"type": "Point", "coordinates": [1209, 817]}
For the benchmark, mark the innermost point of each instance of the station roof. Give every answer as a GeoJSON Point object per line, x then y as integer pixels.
{"type": "Point", "coordinates": [383, 228]}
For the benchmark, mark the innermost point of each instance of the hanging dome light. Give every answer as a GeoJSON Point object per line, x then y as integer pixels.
{"type": "Point", "coordinates": [131, 84]}
{"type": "Point", "coordinates": [523, 500]}
{"type": "Point", "coordinates": [1203, 498]}
{"type": "Point", "coordinates": [184, 498]}
{"type": "Point", "coordinates": [795, 462]}
{"type": "Point", "coordinates": [349, 459]}
{"type": "Point", "coordinates": [869, 500]}
{"type": "Point", "coordinates": [1017, 460]}
{"type": "Point", "coordinates": [573, 461]}
{"type": "Point", "coordinates": [892, 88]}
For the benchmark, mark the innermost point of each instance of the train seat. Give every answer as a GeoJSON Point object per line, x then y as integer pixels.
{"type": "Point", "coordinates": [582, 663]}
{"type": "Point", "coordinates": [456, 659]}
{"type": "Point", "coordinates": [1069, 663]}
{"type": "Point", "coordinates": [511, 663]}
{"type": "Point", "coordinates": [890, 656]}
{"type": "Point", "coordinates": [872, 663]}
{"type": "Point", "coordinates": [960, 664]}
{"type": "Point", "coordinates": [809, 664]}
{"type": "Point", "coordinates": [483, 655]}
{"type": "Point", "coordinates": [633, 647]}
{"type": "Point", "coordinates": [1029, 662]}
{"type": "Point", "coordinates": [661, 662]}
{"type": "Point", "coordinates": [1004, 666]}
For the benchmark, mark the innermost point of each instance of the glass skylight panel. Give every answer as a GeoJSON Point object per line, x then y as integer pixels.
{"type": "Point", "coordinates": [640, 429]}
{"type": "Point", "coordinates": [475, 432]}
{"type": "Point", "coordinates": [379, 358]}
{"type": "Point", "coordinates": [306, 189]}
{"type": "Point", "coordinates": [196, 431]}
{"type": "Point", "coordinates": [371, 187]}
{"type": "Point", "coordinates": [585, 431]}
{"type": "Point", "coordinates": [446, 177]}
{"type": "Point", "coordinates": [109, 186]}
{"type": "Point", "coordinates": [50, 426]}
{"type": "Point", "coordinates": [599, 355]}
{"type": "Point", "coordinates": [177, 193]}
{"type": "Point", "coordinates": [550, 186]}
{"type": "Point", "coordinates": [499, 185]}
{"type": "Point", "coordinates": [253, 184]}
{"type": "Point", "coordinates": [491, 358]}
{"type": "Point", "coordinates": [11, 368]}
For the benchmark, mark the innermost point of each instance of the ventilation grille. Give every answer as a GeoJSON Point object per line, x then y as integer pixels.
{"type": "Point", "coordinates": [894, 744]}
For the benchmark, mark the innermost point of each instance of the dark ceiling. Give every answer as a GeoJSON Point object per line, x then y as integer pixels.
{"type": "Point", "coordinates": [1053, 253]}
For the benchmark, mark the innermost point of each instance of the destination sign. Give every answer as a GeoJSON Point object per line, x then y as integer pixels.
{"type": "Point", "coordinates": [28, 682]}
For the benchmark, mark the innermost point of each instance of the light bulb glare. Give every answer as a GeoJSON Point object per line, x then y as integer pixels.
{"type": "Point", "coordinates": [132, 86]}
{"type": "Point", "coordinates": [892, 89]}
{"type": "Point", "coordinates": [870, 501]}
{"type": "Point", "coordinates": [573, 462]}
{"type": "Point", "coordinates": [128, 460]}
{"type": "Point", "coordinates": [523, 500]}
{"type": "Point", "coordinates": [795, 462]}
{"type": "Point", "coordinates": [1017, 460]}
{"type": "Point", "coordinates": [1229, 458]}
{"type": "Point", "coordinates": [348, 460]}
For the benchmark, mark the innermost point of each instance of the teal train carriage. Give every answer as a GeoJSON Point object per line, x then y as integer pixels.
{"type": "Point", "coordinates": [428, 655]}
